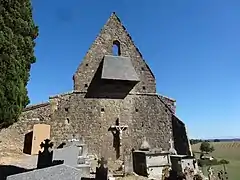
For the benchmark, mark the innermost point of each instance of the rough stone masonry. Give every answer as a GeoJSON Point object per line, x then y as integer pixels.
{"type": "Point", "coordinates": [109, 88]}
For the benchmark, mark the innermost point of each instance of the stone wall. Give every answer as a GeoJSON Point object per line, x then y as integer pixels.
{"type": "Point", "coordinates": [12, 138]}
{"type": "Point", "coordinates": [72, 114]}
{"type": "Point", "coordinates": [90, 118]}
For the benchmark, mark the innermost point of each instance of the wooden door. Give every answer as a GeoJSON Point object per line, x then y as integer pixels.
{"type": "Point", "coordinates": [40, 133]}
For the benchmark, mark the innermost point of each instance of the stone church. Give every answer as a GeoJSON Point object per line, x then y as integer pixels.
{"type": "Point", "coordinates": [110, 91]}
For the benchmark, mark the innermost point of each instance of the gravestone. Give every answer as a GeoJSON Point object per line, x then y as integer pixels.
{"type": "Point", "coordinates": [151, 163]}
{"type": "Point", "coordinates": [73, 154]}
{"type": "Point", "coordinates": [128, 164]}
{"type": "Point", "coordinates": [102, 170]}
{"type": "Point", "coordinates": [69, 155]}
{"type": "Point", "coordinates": [45, 158]}
{"type": "Point", "coordinates": [58, 172]}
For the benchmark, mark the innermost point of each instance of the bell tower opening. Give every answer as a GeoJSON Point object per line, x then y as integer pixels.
{"type": "Point", "coordinates": [116, 51]}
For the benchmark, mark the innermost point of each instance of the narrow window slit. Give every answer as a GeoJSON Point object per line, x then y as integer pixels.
{"type": "Point", "coordinates": [116, 51]}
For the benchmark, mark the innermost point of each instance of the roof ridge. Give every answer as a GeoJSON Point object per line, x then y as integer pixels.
{"type": "Point", "coordinates": [35, 106]}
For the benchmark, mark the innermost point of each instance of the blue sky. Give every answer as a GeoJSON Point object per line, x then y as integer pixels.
{"type": "Point", "coordinates": [192, 46]}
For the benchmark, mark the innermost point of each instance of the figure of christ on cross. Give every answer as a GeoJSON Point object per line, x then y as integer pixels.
{"type": "Point", "coordinates": [117, 131]}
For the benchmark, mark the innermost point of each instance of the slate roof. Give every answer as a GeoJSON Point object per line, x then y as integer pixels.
{"type": "Point", "coordinates": [118, 68]}
{"type": "Point", "coordinates": [59, 172]}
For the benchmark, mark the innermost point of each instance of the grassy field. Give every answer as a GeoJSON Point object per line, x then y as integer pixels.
{"type": "Point", "coordinates": [225, 150]}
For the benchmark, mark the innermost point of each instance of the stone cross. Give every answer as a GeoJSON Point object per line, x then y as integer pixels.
{"type": "Point", "coordinates": [119, 128]}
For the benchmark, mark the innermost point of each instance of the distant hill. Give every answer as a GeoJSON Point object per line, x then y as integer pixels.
{"type": "Point", "coordinates": [224, 140]}
{"type": "Point", "coordinates": [195, 141]}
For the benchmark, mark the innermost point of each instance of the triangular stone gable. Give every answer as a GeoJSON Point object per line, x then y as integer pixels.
{"type": "Point", "coordinates": [111, 32]}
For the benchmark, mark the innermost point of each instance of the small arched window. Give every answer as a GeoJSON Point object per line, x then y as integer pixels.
{"type": "Point", "coordinates": [116, 51]}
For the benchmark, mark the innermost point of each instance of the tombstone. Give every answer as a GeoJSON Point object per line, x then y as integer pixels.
{"type": "Point", "coordinates": [150, 163]}
{"type": "Point", "coordinates": [32, 139]}
{"type": "Point", "coordinates": [69, 155]}
{"type": "Point", "coordinates": [184, 164]}
{"type": "Point", "coordinates": [73, 154]}
{"type": "Point", "coordinates": [45, 158]}
{"type": "Point", "coordinates": [102, 170]}
{"type": "Point", "coordinates": [128, 164]}
{"type": "Point", "coordinates": [58, 172]}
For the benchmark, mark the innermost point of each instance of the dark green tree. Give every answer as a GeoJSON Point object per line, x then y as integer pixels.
{"type": "Point", "coordinates": [17, 35]}
{"type": "Point", "coordinates": [223, 161]}
{"type": "Point", "coordinates": [206, 147]}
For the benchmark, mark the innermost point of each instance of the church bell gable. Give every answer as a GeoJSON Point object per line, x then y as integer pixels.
{"type": "Point", "coordinates": [115, 58]}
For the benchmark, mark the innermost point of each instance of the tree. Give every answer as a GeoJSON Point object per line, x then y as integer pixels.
{"type": "Point", "coordinates": [223, 161]}
{"type": "Point", "coordinates": [195, 141]}
{"type": "Point", "coordinates": [211, 149]}
{"type": "Point", "coordinates": [17, 34]}
{"type": "Point", "coordinates": [216, 140]}
{"type": "Point", "coordinates": [206, 147]}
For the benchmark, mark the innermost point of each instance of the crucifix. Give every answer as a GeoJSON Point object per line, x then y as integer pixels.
{"type": "Point", "coordinates": [117, 131]}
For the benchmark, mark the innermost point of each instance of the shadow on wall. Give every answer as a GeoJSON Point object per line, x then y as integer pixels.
{"type": "Point", "coordinates": [7, 170]}
{"type": "Point", "coordinates": [108, 88]}
{"type": "Point", "coordinates": [180, 137]}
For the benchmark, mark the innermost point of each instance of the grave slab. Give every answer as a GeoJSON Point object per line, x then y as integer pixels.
{"type": "Point", "coordinates": [59, 172]}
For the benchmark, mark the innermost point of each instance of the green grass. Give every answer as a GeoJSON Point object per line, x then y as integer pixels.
{"type": "Point", "coordinates": [224, 150]}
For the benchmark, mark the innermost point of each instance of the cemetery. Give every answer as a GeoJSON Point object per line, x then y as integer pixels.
{"type": "Point", "coordinates": [73, 162]}
{"type": "Point", "coordinates": [113, 125]}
